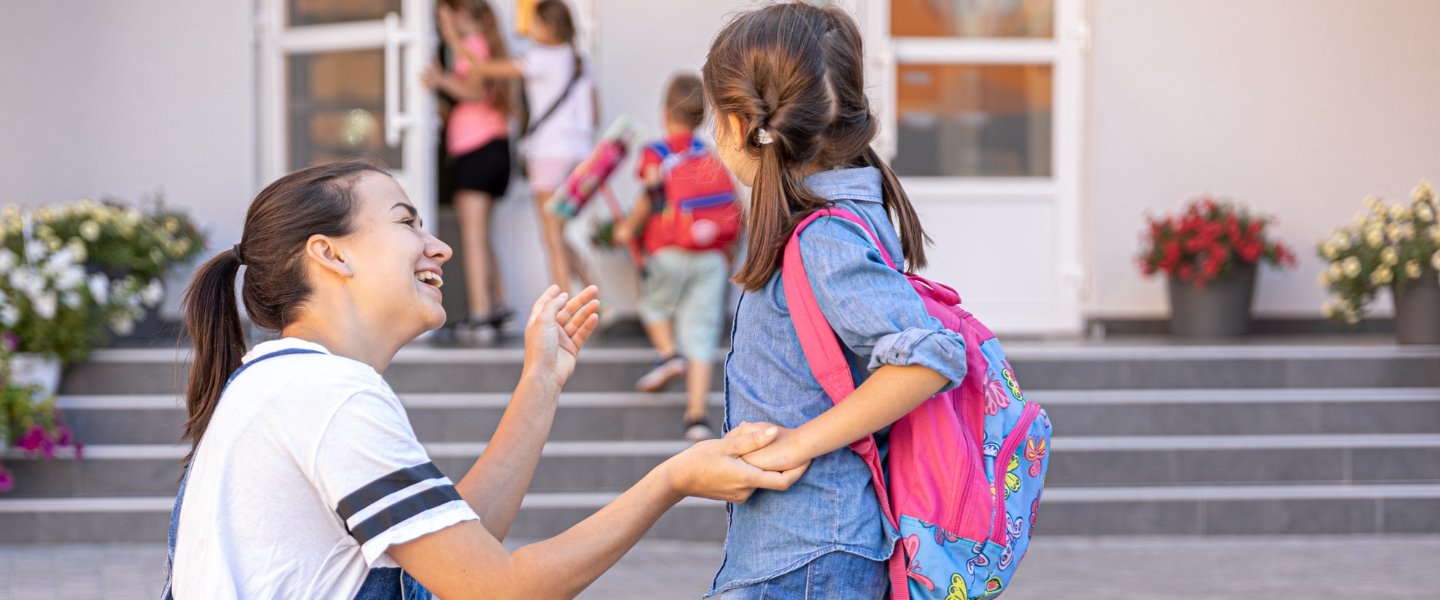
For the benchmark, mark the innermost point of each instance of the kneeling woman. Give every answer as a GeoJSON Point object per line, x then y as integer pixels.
{"type": "Point", "coordinates": [305, 479]}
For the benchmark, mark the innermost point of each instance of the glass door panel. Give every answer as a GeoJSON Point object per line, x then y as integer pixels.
{"type": "Point", "coordinates": [973, 18]}
{"type": "Point", "coordinates": [336, 108]}
{"type": "Point", "coordinates": [325, 12]}
{"type": "Point", "coordinates": [961, 120]}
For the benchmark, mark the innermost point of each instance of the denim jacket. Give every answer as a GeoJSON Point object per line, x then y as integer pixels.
{"type": "Point", "coordinates": [880, 320]}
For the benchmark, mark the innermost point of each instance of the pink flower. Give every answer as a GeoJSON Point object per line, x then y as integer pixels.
{"type": "Point", "coordinates": [7, 481]}
{"type": "Point", "coordinates": [32, 440]}
{"type": "Point", "coordinates": [10, 341]}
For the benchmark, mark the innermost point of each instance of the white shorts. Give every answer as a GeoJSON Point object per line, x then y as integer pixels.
{"type": "Point", "coordinates": [547, 174]}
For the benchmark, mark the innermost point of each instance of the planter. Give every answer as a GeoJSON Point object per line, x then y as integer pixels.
{"type": "Point", "coordinates": [1220, 309]}
{"type": "Point", "coordinates": [1417, 310]}
{"type": "Point", "coordinates": [36, 369]}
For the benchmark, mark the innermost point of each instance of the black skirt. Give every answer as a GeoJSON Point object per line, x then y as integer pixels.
{"type": "Point", "coordinates": [485, 169]}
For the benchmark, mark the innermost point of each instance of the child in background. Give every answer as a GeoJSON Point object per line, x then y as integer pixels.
{"type": "Point", "coordinates": [561, 132]}
{"type": "Point", "coordinates": [793, 121]}
{"type": "Point", "coordinates": [477, 139]}
{"type": "Point", "coordinates": [686, 240]}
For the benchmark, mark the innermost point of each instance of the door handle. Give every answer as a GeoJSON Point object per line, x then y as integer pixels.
{"type": "Point", "coordinates": [395, 121]}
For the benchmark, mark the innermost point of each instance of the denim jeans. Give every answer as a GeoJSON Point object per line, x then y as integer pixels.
{"type": "Point", "coordinates": [837, 575]}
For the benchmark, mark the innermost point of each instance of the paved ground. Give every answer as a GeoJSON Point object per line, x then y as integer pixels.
{"type": "Point", "coordinates": [1392, 568]}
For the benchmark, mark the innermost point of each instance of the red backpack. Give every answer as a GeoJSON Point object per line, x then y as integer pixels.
{"type": "Point", "coordinates": [700, 209]}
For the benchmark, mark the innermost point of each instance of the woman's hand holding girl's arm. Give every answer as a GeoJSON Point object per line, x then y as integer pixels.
{"type": "Point", "coordinates": [463, 561]}
{"type": "Point", "coordinates": [886, 396]}
{"type": "Point", "coordinates": [557, 330]}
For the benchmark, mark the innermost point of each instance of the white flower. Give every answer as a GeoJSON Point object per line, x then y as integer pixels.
{"type": "Point", "coordinates": [1435, 260]}
{"type": "Point", "coordinates": [7, 260]}
{"type": "Point", "coordinates": [1423, 192]}
{"type": "Point", "coordinates": [72, 300]}
{"type": "Point", "coordinates": [1399, 212]}
{"type": "Point", "coordinates": [1389, 257]}
{"type": "Point", "coordinates": [1351, 266]}
{"type": "Point", "coordinates": [1336, 272]}
{"type": "Point", "coordinates": [1329, 309]}
{"type": "Point", "coordinates": [1412, 269]}
{"type": "Point", "coordinates": [34, 250]}
{"type": "Point", "coordinates": [157, 256]}
{"type": "Point", "coordinates": [99, 288]}
{"type": "Point", "coordinates": [9, 315]}
{"type": "Point", "coordinates": [122, 325]}
{"type": "Point", "coordinates": [1375, 237]}
{"type": "Point", "coordinates": [1407, 232]}
{"type": "Point", "coordinates": [153, 293]}
{"type": "Point", "coordinates": [70, 278]}
{"type": "Point", "coordinates": [1435, 234]}
{"type": "Point", "coordinates": [45, 305]}
{"type": "Point", "coordinates": [1425, 212]}
{"type": "Point", "coordinates": [1382, 276]}
{"type": "Point", "coordinates": [1373, 203]}
{"type": "Point", "coordinates": [1361, 219]}
{"type": "Point", "coordinates": [76, 247]}
{"type": "Point", "coordinates": [1324, 279]}
{"type": "Point", "coordinates": [1328, 250]}
{"type": "Point", "coordinates": [90, 230]}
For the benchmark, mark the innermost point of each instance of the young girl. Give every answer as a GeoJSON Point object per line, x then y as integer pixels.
{"type": "Point", "coordinates": [561, 131]}
{"type": "Point", "coordinates": [305, 479]}
{"type": "Point", "coordinates": [477, 139]}
{"type": "Point", "coordinates": [793, 122]}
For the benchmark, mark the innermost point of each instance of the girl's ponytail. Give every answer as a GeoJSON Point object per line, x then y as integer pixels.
{"type": "Point", "coordinates": [213, 317]}
{"type": "Point", "coordinates": [897, 204]}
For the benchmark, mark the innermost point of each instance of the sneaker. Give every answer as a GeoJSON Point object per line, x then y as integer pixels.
{"type": "Point", "coordinates": [500, 316]}
{"type": "Point", "coordinates": [476, 331]}
{"type": "Point", "coordinates": [664, 370]}
{"type": "Point", "coordinates": [699, 431]}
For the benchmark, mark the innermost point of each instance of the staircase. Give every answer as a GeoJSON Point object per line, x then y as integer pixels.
{"type": "Point", "coordinates": [1151, 438]}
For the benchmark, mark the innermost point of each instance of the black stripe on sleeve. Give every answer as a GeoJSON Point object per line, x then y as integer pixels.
{"type": "Point", "coordinates": [372, 492]}
{"type": "Point", "coordinates": [400, 511]}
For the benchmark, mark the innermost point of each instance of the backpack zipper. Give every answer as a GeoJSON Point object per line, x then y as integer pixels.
{"type": "Point", "coordinates": [1019, 433]}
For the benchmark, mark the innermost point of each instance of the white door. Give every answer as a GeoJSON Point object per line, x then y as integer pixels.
{"type": "Point", "coordinates": [981, 116]}
{"type": "Point", "coordinates": [340, 79]}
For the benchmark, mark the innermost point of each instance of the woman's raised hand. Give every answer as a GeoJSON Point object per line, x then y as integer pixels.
{"type": "Point", "coordinates": [558, 327]}
{"type": "Point", "coordinates": [712, 469]}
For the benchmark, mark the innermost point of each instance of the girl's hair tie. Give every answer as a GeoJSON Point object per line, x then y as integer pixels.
{"type": "Point", "coordinates": [236, 250]}
{"type": "Point", "coordinates": [763, 137]}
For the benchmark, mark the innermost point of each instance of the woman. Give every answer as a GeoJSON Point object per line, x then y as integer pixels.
{"type": "Point", "coordinates": [305, 479]}
{"type": "Point", "coordinates": [477, 140]}
{"type": "Point", "coordinates": [562, 112]}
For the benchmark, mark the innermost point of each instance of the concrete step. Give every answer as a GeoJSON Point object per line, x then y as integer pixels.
{"type": "Point", "coordinates": [1040, 366]}
{"type": "Point", "coordinates": [612, 466]}
{"type": "Point", "coordinates": [1198, 510]}
{"type": "Point", "coordinates": [158, 418]}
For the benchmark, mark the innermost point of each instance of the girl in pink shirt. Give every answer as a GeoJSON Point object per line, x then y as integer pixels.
{"type": "Point", "coordinates": [477, 140]}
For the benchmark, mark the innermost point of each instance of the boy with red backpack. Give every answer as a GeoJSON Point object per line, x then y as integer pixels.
{"type": "Point", "coordinates": [690, 219]}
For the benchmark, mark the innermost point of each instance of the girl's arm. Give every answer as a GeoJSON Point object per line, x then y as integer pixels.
{"type": "Point", "coordinates": [889, 393]}
{"type": "Point", "coordinates": [625, 228]}
{"type": "Point", "coordinates": [464, 561]}
{"type": "Point", "coordinates": [556, 331]}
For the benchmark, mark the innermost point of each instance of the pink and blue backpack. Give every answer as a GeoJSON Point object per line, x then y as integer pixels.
{"type": "Point", "coordinates": [962, 478]}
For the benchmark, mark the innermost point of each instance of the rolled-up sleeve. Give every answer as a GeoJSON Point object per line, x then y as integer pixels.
{"type": "Point", "coordinates": [872, 307]}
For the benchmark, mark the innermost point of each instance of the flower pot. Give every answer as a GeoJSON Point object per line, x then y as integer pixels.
{"type": "Point", "coordinates": [1417, 310]}
{"type": "Point", "coordinates": [1220, 309]}
{"type": "Point", "coordinates": [36, 369]}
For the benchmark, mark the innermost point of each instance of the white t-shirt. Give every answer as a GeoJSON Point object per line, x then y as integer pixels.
{"type": "Point", "coordinates": [308, 472]}
{"type": "Point", "coordinates": [570, 132]}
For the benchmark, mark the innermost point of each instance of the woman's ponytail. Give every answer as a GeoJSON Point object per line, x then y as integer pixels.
{"type": "Point", "coordinates": [213, 317]}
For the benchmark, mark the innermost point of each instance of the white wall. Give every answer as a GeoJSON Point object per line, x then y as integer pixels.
{"type": "Point", "coordinates": [1298, 107]}
{"type": "Point", "coordinates": [126, 99]}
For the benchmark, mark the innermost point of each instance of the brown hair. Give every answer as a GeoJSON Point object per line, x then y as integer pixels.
{"type": "Point", "coordinates": [796, 71]}
{"type": "Point", "coordinates": [315, 200]}
{"type": "Point", "coordinates": [502, 91]}
{"type": "Point", "coordinates": [557, 15]}
{"type": "Point", "coordinates": [685, 100]}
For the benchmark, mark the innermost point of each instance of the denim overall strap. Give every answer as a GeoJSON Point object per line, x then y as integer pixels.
{"type": "Point", "coordinates": [180, 495]}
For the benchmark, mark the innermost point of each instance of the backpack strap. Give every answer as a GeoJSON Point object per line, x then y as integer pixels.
{"type": "Point", "coordinates": [822, 350]}
{"type": "Point", "coordinates": [174, 532]}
